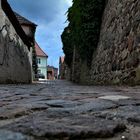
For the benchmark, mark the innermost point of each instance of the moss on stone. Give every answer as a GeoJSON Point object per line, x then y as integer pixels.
{"type": "Point", "coordinates": [116, 81]}
{"type": "Point", "coordinates": [138, 75]}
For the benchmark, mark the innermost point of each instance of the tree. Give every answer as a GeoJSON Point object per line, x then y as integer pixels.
{"type": "Point", "coordinates": [34, 60]}
{"type": "Point", "coordinates": [85, 17]}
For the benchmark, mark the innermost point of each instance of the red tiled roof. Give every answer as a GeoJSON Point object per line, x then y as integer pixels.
{"type": "Point", "coordinates": [39, 51]}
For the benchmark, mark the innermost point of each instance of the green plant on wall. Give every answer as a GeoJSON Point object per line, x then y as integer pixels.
{"type": "Point", "coordinates": [67, 46]}
{"type": "Point", "coordinates": [34, 60]}
{"type": "Point", "coordinates": [83, 31]}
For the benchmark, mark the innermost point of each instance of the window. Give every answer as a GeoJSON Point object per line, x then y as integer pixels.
{"type": "Point", "coordinates": [39, 61]}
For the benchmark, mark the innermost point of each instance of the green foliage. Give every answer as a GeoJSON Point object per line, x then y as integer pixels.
{"type": "Point", "coordinates": [67, 46]}
{"type": "Point", "coordinates": [34, 60]}
{"type": "Point", "coordinates": [84, 28]}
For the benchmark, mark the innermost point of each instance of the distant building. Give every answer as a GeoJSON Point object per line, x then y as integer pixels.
{"type": "Point", "coordinates": [62, 68]}
{"type": "Point", "coordinates": [41, 60]}
{"type": "Point", "coordinates": [52, 72]}
{"type": "Point", "coordinates": [27, 26]}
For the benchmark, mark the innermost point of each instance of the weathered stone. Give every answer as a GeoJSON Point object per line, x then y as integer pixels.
{"type": "Point", "coordinates": [129, 101]}
{"type": "Point", "coordinates": [137, 41]}
{"type": "Point", "coordinates": [130, 43]}
{"type": "Point", "coordinates": [138, 74]}
{"type": "Point", "coordinates": [114, 97]}
{"type": "Point", "coordinates": [130, 113]}
{"type": "Point", "coordinates": [124, 54]}
{"type": "Point", "coordinates": [61, 103]}
{"type": "Point", "coordinates": [94, 106]}
{"type": "Point", "coordinates": [72, 127]}
{"type": "Point", "coordinates": [15, 59]}
{"type": "Point", "coordinates": [118, 47]}
{"type": "Point", "coordinates": [9, 135]}
{"type": "Point", "coordinates": [63, 110]}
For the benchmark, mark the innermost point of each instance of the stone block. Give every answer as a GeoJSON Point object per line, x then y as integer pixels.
{"type": "Point", "coordinates": [130, 43]}
{"type": "Point", "coordinates": [138, 74]}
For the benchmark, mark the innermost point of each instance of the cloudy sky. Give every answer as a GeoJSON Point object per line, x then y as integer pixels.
{"type": "Point", "coordinates": [50, 16]}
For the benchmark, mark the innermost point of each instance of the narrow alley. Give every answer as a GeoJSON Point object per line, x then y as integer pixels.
{"type": "Point", "coordinates": [62, 110]}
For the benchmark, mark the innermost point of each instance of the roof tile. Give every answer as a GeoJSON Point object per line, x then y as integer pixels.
{"type": "Point", "coordinates": [39, 51]}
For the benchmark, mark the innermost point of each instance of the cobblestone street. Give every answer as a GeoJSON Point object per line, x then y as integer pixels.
{"type": "Point", "coordinates": [60, 110]}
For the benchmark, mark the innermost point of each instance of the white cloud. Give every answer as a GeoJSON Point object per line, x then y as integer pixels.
{"type": "Point", "coordinates": [69, 2]}
{"type": "Point", "coordinates": [50, 17]}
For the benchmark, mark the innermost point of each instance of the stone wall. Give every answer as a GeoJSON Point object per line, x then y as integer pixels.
{"type": "Point", "coordinates": [15, 60]}
{"type": "Point", "coordinates": [117, 58]}
{"type": "Point", "coordinates": [79, 71]}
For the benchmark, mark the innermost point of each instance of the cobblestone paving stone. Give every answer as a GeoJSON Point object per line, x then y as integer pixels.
{"type": "Point", "coordinates": [61, 110]}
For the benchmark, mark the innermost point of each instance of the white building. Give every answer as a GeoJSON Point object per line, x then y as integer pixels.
{"type": "Point", "coordinates": [41, 60]}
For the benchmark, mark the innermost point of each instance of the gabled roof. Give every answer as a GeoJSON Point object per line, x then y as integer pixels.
{"type": "Point", "coordinates": [39, 51]}
{"type": "Point", "coordinates": [22, 20]}
{"type": "Point", "coordinates": [11, 16]}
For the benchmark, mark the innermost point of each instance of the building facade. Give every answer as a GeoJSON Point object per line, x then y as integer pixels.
{"type": "Point", "coordinates": [41, 60]}
{"type": "Point", "coordinates": [29, 28]}
{"type": "Point", "coordinates": [52, 72]}
{"type": "Point", "coordinates": [15, 48]}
